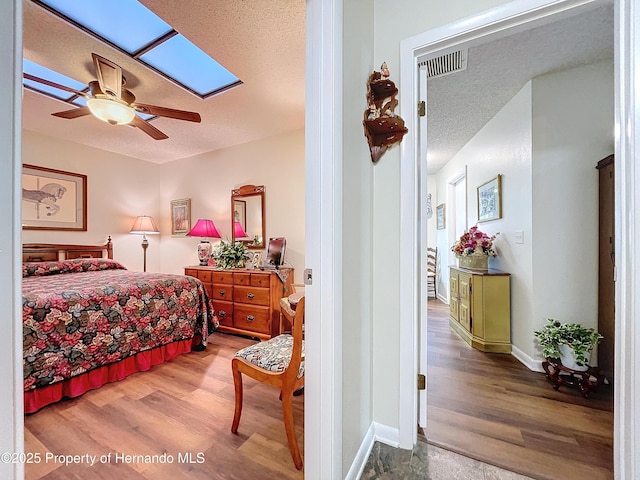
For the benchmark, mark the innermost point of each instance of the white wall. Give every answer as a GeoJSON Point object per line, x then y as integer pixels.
{"type": "Point", "coordinates": [276, 162]}
{"type": "Point", "coordinates": [393, 22]}
{"type": "Point", "coordinates": [545, 142]}
{"type": "Point", "coordinates": [357, 233]}
{"type": "Point", "coordinates": [572, 130]}
{"type": "Point", "coordinates": [118, 189]}
{"type": "Point", "coordinates": [502, 146]}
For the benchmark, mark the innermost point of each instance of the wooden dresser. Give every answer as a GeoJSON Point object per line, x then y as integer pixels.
{"type": "Point", "coordinates": [480, 308]}
{"type": "Point", "coordinates": [246, 302]}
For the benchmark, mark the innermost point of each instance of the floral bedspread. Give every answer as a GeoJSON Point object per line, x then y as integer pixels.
{"type": "Point", "coordinates": [82, 314]}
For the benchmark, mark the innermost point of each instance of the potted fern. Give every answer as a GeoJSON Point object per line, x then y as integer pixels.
{"type": "Point", "coordinates": [230, 255]}
{"type": "Point", "coordinates": [571, 343]}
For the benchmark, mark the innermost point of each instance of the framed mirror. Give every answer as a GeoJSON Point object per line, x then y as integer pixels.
{"type": "Point", "coordinates": [247, 216]}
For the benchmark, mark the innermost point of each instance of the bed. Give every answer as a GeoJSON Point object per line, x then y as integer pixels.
{"type": "Point", "coordinates": [88, 321]}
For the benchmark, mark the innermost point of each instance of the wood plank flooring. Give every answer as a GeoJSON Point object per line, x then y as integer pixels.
{"type": "Point", "coordinates": [492, 408]}
{"type": "Point", "coordinates": [183, 408]}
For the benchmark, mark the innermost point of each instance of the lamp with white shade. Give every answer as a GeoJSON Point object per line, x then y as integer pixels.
{"type": "Point", "coordinates": [144, 225]}
{"type": "Point", "coordinates": [206, 229]}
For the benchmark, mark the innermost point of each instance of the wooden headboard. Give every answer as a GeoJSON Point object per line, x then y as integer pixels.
{"type": "Point", "coordinates": [45, 252]}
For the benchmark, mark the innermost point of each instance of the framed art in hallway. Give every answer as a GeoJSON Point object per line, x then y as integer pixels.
{"type": "Point", "coordinates": [490, 200]}
{"type": "Point", "coordinates": [441, 217]}
{"type": "Point", "coordinates": [180, 217]}
{"type": "Point", "coordinates": [53, 199]}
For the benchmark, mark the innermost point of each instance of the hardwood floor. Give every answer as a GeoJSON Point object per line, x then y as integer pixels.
{"type": "Point", "coordinates": [183, 408]}
{"type": "Point", "coordinates": [492, 408]}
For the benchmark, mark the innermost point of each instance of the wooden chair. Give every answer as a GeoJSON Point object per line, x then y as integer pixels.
{"type": "Point", "coordinates": [278, 362]}
{"type": "Point", "coordinates": [432, 271]}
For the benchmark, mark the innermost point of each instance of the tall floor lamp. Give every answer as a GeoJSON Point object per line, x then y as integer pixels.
{"type": "Point", "coordinates": [144, 225]}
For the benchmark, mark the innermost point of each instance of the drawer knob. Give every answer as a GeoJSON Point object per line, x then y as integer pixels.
{"type": "Point", "coordinates": [221, 293]}
{"type": "Point", "coordinates": [250, 318]}
{"type": "Point", "coordinates": [222, 313]}
{"type": "Point", "coordinates": [250, 296]}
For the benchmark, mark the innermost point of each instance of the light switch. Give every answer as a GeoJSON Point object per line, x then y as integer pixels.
{"type": "Point", "coordinates": [519, 236]}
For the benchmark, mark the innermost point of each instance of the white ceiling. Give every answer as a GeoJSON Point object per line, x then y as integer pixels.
{"type": "Point", "coordinates": [460, 104]}
{"type": "Point", "coordinates": [262, 42]}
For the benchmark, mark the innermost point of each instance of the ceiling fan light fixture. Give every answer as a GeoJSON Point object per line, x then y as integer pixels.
{"type": "Point", "coordinates": [112, 111]}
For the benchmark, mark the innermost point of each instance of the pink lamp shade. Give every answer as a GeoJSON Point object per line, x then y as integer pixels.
{"type": "Point", "coordinates": [204, 228]}
{"type": "Point", "coordinates": [238, 232]}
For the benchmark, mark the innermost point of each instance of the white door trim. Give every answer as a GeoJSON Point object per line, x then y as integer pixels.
{"type": "Point", "coordinates": [323, 234]}
{"type": "Point", "coordinates": [11, 424]}
{"type": "Point", "coordinates": [517, 14]}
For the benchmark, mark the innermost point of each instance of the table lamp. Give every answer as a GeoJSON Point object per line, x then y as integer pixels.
{"type": "Point", "coordinates": [204, 228]}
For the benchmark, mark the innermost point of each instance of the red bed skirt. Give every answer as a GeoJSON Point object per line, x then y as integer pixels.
{"type": "Point", "coordinates": [34, 400]}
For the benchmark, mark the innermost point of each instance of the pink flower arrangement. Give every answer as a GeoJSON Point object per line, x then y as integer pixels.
{"type": "Point", "coordinates": [474, 242]}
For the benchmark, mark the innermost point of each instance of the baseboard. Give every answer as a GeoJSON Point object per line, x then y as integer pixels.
{"type": "Point", "coordinates": [387, 435]}
{"type": "Point", "coordinates": [376, 433]}
{"type": "Point", "coordinates": [443, 299]}
{"type": "Point", "coordinates": [529, 362]}
{"type": "Point", "coordinates": [357, 466]}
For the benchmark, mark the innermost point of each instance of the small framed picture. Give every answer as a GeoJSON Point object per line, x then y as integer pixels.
{"type": "Point", "coordinates": [440, 216]}
{"type": "Point", "coordinates": [490, 200]}
{"type": "Point", "coordinates": [180, 217]}
{"type": "Point", "coordinates": [254, 259]}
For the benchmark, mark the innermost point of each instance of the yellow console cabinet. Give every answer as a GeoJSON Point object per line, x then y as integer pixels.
{"type": "Point", "coordinates": [480, 308]}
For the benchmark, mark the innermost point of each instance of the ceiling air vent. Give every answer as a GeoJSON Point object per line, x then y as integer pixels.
{"type": "Point", "coordinates": [446, 64]}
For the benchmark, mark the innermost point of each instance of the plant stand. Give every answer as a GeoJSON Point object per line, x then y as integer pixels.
{"type": "Point", "coordinates": [586, 381]}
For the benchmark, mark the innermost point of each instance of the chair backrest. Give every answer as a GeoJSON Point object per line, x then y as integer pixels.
{"type": "Point", "coordinates": [432, 259]}
{"type": "Point", "coordinates": [293, 311]}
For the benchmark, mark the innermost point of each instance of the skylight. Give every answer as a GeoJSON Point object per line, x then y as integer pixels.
{"type": "Point", "coordinates": [141, 34]}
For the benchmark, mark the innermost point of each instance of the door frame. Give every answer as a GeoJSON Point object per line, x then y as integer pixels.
{"type": "Point", "coordinates": [517, 14]}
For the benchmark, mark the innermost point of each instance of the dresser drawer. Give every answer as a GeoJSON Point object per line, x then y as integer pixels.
{"type": "Point", "coordinates": [204, 275]}
{"type": "Point", "coordinates": [222, 291]}
{"type": "Point", "coordinates": [260, 280]}
{"type": "Point", "coordinates": [224, 312]}
{"type": "Point", "coordinates": [251, 295]}
{"type": "Point", "coordinates": [250, 317]}
{"type": "Point", "coordinates": [222, 277]}
{"type": "Point", "coordinates": [242, 279]}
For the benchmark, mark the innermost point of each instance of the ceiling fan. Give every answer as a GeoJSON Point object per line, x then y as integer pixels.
{"type": "Point", "coordinates": [108, 100]}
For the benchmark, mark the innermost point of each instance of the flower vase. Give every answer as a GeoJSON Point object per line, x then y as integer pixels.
{"type": "Point", "coordinates": [474, 262]}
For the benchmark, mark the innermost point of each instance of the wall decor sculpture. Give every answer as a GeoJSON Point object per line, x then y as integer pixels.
{"type": "Point", "coordinates": [382, 127]}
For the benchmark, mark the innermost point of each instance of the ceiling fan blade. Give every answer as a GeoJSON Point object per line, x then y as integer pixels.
{"type": "Point", "coordinates": [109, 75]}
{"type": "Point", "coordinates": [49, 83]}
{"type": "Point", "coordinates": [73, 113]}
{"type": "Point", "coordinates": [166, 112]}
{"type": "Point", "coordinates": [147, 128]}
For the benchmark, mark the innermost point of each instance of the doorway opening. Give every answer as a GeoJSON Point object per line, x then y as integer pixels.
{"type": "Point", "coordinates": [470, 189]}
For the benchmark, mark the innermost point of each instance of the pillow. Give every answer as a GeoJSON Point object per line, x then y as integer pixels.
{"type": "Point", "coordinates": [35, 269]}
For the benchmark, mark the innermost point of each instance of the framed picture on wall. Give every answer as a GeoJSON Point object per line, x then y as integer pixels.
{"type": "Point", "coordinates": [53, 199]}
{"type": "Point", "coordinates": [490, 200]}
{"type": "Point", "coordinates": [440, 216]}
{"type": "Point", "coordinates": [180, 217]}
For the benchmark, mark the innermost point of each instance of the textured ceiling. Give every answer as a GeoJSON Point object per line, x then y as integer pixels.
{"type": "Point", "coordinates": [262, 42]}
{"type": "Point", "coordinates": [460, 104]}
